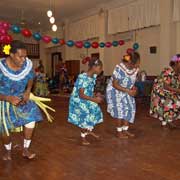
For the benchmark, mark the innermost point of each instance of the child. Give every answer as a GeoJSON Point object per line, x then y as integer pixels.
{"type": "Point", "coordinates": [120, 93]}
{"type": "Point", "coordinates": [84, 111]}
{"type": "Point", "coordinates": [41, 85]}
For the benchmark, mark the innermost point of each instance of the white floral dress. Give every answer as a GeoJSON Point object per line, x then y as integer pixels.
{"type": "Point", "coordinates": [120, 105]}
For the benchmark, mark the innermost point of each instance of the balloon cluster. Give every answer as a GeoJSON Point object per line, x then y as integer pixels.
{"type": "Point", "coordinates": [95, 45]}
{"type": "Point", "coordinates": [5, 38]}
{"type": "Point", "coordinates": [70, 43]}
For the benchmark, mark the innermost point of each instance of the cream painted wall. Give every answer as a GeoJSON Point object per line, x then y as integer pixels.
{"type": "Point", "coordinates": [146, 38]}
{"type": "Point", "coordinates": [165, 37]}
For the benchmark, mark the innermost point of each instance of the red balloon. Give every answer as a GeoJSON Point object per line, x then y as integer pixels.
{"type": "Point", "coordinates": [95, 45]}
{"type": "Point", "coordinates": [121, 42]}
{"type": "Point", "coordinates": [88, 58]}
{"type": "Point", "coordinates": [6, 39]}
{"type": "Point", "coordinates": [79, 44]}
{"type": "Point", "coordinates": [130, 50]}
{"type": "Point", "coordinates": [108, 44]}
{"type": "Point", "coordinates": [26, 33]}
{"type": "Point", "coordinates": [84, 61]}
{"type": "Point", "coordinates": [3, 31]}
{"type": "Point", "coordinates": [46, 39]}
{"type": "Point", "coordinates": [62, 41]}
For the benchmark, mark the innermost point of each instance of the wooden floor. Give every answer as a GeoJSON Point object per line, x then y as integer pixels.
{"type": "Point", "coordinates": [153, 155]}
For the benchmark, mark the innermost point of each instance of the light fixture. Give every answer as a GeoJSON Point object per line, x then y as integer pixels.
{"type": "Point", "coordinates": [52, 20]}
{"type": "Point", "coordinates": [49, 13]}
{"type": "Point", "coordinates": [54, 27]}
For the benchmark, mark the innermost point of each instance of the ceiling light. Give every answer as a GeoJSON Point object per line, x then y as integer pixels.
{"type": "Point", "coordinates": [54, 27]}
{"type": "Point", "coordinates": [49, 13]}
{"type": "Point", "coordinates": [52, 20]}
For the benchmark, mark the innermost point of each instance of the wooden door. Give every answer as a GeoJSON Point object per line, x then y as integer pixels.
{"type": "Point", "coordinates": [73, 67]}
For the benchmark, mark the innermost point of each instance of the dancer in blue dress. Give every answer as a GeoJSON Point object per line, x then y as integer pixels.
{"type": "Point", "coordinates": [16, 110]}
{"type": "Point", "coordinates": [120, 93]}
{"type": "Point", "coordinates": [84, 111]}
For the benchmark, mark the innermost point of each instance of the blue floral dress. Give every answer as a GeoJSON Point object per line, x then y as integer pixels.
{"type": "Point", "coordinates": [120, 105]}
{"type": "Point", "coordinates": [13, 83]}
{"type": "Point", "coordinates": [83, 113]}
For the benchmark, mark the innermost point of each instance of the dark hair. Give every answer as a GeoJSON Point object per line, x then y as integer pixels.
{"type": "Point", "coordinates": [134, 57]}
{"type": "Point", "coordinates": [95, 62]}
{"type": "Point", "coordinates": [15, 45]}
{"type": "Point", "coordinates": [173, 63]}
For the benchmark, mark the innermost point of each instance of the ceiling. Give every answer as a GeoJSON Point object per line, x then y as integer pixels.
{"type": "Point", "coordinates": [34, 11]}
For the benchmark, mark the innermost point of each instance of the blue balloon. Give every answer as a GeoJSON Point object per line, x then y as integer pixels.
{"type": "Point", "coordinates": [55, 40]}
{"type": "Point", "coordinates": [101, 45]}
{"type": "Point", "coordinates": [115, 43]}
{"type": "Point", "coordinates": [15, 29]}
{"type": "Point", "coordinates": [37, 36]}
{"type": "Point", "coordinates": [87, 44]}
{"type": "Point", "coordinates": [70, 43]}
{"type": "Point", "coordinates": [135, 46]}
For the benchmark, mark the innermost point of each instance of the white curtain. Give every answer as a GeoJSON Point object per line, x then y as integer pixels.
{"type": "Point", "coordinates": [84, 29]}
{"type": "Point", "coordinates": [118, 20]}
{"type": "Point", "coordinates": [176, 10]}
{"type": "Point", "coordinates": [142, 13]}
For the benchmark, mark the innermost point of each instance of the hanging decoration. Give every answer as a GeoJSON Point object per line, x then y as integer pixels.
{"type": "Point", "coordinates": [37, 36]}
{"type": "Point", "coordinates": [70, 43]}
{"type": "Point", "coordinates": [129, 50]}
{"type": "Point", "coordinates": [79, 44]}
{"type": "Point", "coordinates": [55, 40]}
{"type": "Point", "coordinates": [95, 45]}
{"type": "Point", "coordinates": [135, 46]}
{"type": "Point", "coordinates": [26, 33]}
{"type": "Point", "coordinates": [86, 60]}
{"type": "Point", "coordinates": [62, 42]}
{"type": "Point", "coordinates": [5, 38]}
{"type": "Point", "coordinates": [101, 45]}
{"type": "Point", "coordinates": [108, 44]}
{"type": "Point", "coordinates": [121, 42]}
{"type": "Point", "coordinates": [115, 43]}
{"type": "Point", "coordinates": [46, 39]}
{"type": "Point", "coordinates": [87, 44]}
{"type": "Point", "coordinates": [15, 29]}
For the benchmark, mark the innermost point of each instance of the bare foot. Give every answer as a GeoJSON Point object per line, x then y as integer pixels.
{"type": "Point", "coordinates": [129, 134]}
{"type": "Point", "coordinates": [7, 156]}
{"type": "Point", "coordinates": [27, 154]}
{"type": "Point", "coordinates": [171, 125]}
{"type": "Point", "coordinates": [121, 135]}
{"type": "Point", "coordinates": [85, 142]}
{"type": "Point", "coordinates": [94, 135]}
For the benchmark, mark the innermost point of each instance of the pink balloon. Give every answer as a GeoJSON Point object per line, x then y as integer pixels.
{"type": "Point", "coordinates": [79, 44]}
{"type": "Point", "coordinates": [3, 31]}
{"type": "Point", "coordinates": [6, 25]}
{"type": "Point", "coordinates": [108, 44]}
{"type": "Point", "coordinates": [46, 39]}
